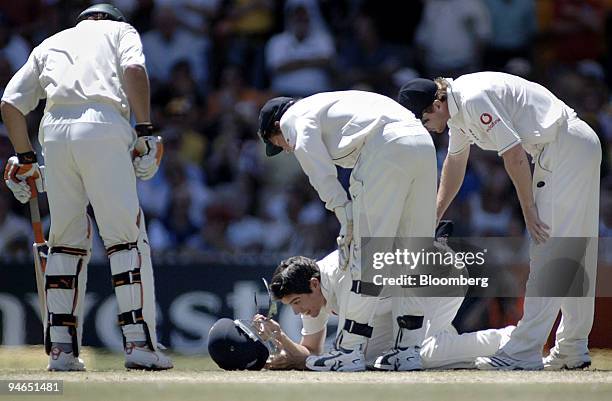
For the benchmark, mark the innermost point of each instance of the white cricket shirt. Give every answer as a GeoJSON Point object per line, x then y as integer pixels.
{"type": "Point", "coordinates": [335, 284]}
{"type": "Point", "coordinates": [78, 66]}
{"type": "Point", "coordinates": [329, 129]}
{"type": "Point", "coordinates": [497, 111]}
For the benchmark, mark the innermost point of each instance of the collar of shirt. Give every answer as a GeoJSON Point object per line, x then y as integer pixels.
{"type": "Point", "coordinates": [288, 129]}
{"type": "Point", "coordinates": [453, 98]}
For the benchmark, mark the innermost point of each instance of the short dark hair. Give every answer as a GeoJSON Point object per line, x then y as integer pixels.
{"type": "Point", "coordinates": [292, 276]}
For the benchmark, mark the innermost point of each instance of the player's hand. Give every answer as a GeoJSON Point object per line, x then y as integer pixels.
{"type": "Point", "coordinates": [280, 361]}
{"type": "Point", "coordinates": [345, 237]}
{"type": "Point", "coordinates": [18, 171]}
{"type": "Point", "coordinates": [266, 328]}
{"type": "Point", "coordinates": [148, 151]}
{"type": "Point", "coordinates": [536, 227]}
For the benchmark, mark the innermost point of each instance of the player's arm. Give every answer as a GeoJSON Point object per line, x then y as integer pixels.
{"type": "Point", "coordinates": [138, 92]}
{"type": "Point", "coordinates": [294, 355]}
{"type": "Point", "coordinates": [517, 166]}
{"type": "Point", "coordinates": [135, 78]}
{"type": "Point", "coordinates": [453, 172]}
{"type": "Point", "coordinates": [16, 126]}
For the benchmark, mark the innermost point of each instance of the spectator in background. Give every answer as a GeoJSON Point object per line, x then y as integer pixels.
{"type": "Point", "coordinates": [366, 60]}
{"type": "Point", "coordinates": [12, 46]}
{"type": "Point", "coordinates": [235, 96]}
{"type": "Point", "coordinates": [167, 44]}
{"type": "Point", "coordinates": [15, 231]}
{"type": "Point", "coordinates": [490, 212]}
{"type": "Point", "coordinates": [6, 72]}
{"type": "Point", "coordinates": [451, 37]}
{"type": "Point", "coordinates": [577, 26]}
{"type": "Point", "coordinates": [514, 25]}
{"type": "Point", "coordinates": [299, 58]}
{"type": "Point", "coordinates": [243, 31]}
{"type": "Point", "coordinates": [193, 15]}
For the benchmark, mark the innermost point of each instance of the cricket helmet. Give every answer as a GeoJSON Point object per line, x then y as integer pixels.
{"type": "Point", "coordinates": [112, 13]}
{"type": "Point", "coordinates": [233, 345]}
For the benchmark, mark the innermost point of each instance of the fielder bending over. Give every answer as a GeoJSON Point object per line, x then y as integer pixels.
{"type": "Point", "coordinates": [392, 190]}
{"type": "Point", "coordinates": [90, 75]}
{"type": "Point", "coordinates": [560, 204]}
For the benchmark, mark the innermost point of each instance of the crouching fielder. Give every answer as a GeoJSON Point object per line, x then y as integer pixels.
{"type": "Point", "coordinates": [316, 290]}
{"type": "Point", "coordinates": [392, 194]}
{"type": "Point", "coordinates": [88, 75]}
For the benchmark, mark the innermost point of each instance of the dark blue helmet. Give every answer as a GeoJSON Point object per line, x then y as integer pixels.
{"type": "Point", "coordinates": [234, 346]}
{"type": "Point", "coordinates": [109, 12]}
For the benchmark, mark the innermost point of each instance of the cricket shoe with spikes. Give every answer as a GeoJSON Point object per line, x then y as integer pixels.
{"type": "Point", "coordinates": [145, 359]}
{"type": "Point", "coordinates": [400, 360]}
{"type": "Point", "coordinates": [558, 361]}
{"type": "Point", "coordinates": [61, 361]}
{"type": "Point", "coordinates": [503, 361]}
{"type": "Point", "coordinates": [337, 360]}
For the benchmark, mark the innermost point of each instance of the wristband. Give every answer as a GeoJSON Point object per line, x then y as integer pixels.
{"type": "Point", "coordinates": [143, 129]}
{"type": "Point", "coordinates": [27, 157]}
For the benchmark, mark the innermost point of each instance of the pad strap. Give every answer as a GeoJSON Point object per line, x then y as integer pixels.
{"type": "Point", "coordinates": [64, 320]}
{"type": "Point", "coordinates": [360, 329]}
{"type": "Point", "coordinates": [410, 322]}
{"type": "Point", "coordinates": [135, 317]}
{"type": "Point", "coordinates": [68, 250]}
{"type": "Point", "coordinates": [121, 247]}
{"type": "Point", "coordinates": [130, 317]}
{"type": "Point", "coordinates": [126, 278]}
{"type": "Point", "coordinates": [365, 288]}
{"type": "Point", "coordinates": [60, 282]}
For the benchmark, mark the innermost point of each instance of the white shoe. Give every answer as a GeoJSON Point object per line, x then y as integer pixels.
{"type": "Point", "coordinates": [146, 359]}
{"type": "Point", "coordinates": [503, 361]}
{"type": "Point", "coordinates": [506, 332]}
{"type": "Point", "coordinates": [557, 361]}
{"type": "Point", "coordinates": [60, 361]}
{"type": "Point", "coordinates": [400, 359]}
{"type": "Point", "coordinates": [337, 360]}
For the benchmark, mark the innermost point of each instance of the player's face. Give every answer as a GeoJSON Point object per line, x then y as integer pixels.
{"type": "Point", "coordinates": [278, 139]}
{"type": "Point", "coordinates": [436, 116]}
{"type": "Point", "coordinates": [306, 304]}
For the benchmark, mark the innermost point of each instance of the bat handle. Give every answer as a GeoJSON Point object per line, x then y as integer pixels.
{"type": "Point", "coordinates": [39, 237]}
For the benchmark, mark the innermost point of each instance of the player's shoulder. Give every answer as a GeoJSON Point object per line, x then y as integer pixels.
{"type": "Point", "coordinates": [329, 262]}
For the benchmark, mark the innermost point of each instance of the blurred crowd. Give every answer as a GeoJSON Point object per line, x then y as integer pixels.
{"type": "Point", "coordinates": [214, 63]}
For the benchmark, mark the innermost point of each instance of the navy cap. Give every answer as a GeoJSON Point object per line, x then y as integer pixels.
{"type": "Point", "coordinates": [417, 95]}
{"type": "Point", "coordinates": [232, 348]}
{"type": "Point", "coordinates": [270, 113]}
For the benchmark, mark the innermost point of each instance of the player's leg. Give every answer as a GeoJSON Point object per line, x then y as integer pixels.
{"type": "Point", "coordinates": [69, 252]}
{"type": "Point", "coordinates": [581, 171]}
{"type": "Point", "coordinates": [382, 334]}
{"type": "Point", "coordinates": [410, 164]}
{"type": "Point", "coordinates": [110, 183]}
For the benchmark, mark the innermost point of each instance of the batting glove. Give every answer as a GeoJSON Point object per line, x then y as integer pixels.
{"type": "Point", "coordinates": [148, 151]}
{"type": "Point", "coordinates": [345, 237]}
{"type": "Point", "coordinates": [18, 171]}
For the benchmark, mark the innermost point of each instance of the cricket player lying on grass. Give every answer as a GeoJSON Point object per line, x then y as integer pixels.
{"type": "Point", "coordinates": [317, 289]}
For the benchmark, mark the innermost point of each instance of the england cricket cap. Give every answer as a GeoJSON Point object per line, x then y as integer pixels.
{"type": "Point", "coordinates": [271, 112]}
{"type": "Point", "coordinates": [233, 348]}
{"type": "Point", "coordinates": [417, 95]}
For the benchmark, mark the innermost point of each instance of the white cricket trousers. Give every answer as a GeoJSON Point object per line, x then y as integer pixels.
{"type": "Point", "coordinates": [87, 157]}
{"type": "Point", "coordinates": [393, 190]}
{"type": "Point", "coordinates": [566, 190]}
{"type": "Point", "coordinates": [443, 347]}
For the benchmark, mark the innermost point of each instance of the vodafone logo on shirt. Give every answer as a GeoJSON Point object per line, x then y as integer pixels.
{"type": "Point", "coordinates": [486, 118]}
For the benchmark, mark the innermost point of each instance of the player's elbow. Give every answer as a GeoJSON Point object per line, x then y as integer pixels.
{"type": "Point", "coordinates": [134, 71]}
{"type": "Point", "coordinates": [8, 111]}
{"type": "Point", "coordinates": [514, 156]}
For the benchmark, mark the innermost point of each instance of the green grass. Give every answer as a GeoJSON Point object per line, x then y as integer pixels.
{"type": "Point", "coordinates": [198, 378]}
